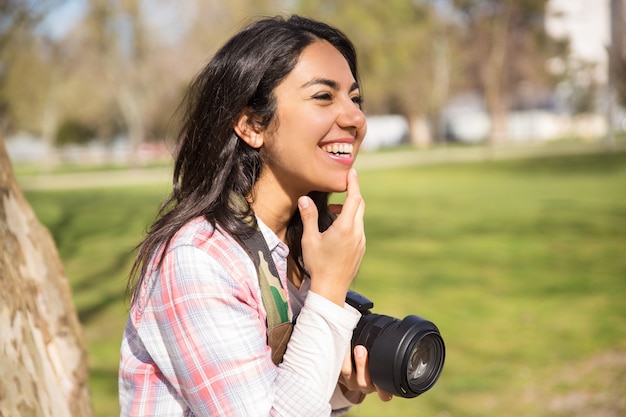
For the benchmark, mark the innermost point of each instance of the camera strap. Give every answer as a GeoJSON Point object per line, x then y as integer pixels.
{"type": "Point", "coordinates": [273, 295]}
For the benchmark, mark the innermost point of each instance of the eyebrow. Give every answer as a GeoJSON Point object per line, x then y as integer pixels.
{"type": "Point", "coordinates": [329, 83]}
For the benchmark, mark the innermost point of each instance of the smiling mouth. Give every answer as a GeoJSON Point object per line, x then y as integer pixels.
{"type": "Point", "coordinates": [339, 149]}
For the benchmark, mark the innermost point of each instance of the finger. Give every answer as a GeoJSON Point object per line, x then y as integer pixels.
{"type": "Point", "coordinates": [308, 214]}
{"type": "Point", "coordinates": [353, 197]}
{"type": "Point", "coordinates": [360, 361]}
{"type": "Point", "coordinates": [384, 395]}
{"type": "Point", "coordinates": [353, 183]}
{"type": "Point", "coordinates": [358, 218]}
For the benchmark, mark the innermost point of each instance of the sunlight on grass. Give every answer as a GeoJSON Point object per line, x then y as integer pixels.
{"type": "Point", "coordinates": [521, 265]}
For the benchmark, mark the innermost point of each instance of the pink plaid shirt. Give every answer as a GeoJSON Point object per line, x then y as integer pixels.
{"type": "Point", "coordinates": [195, 341]}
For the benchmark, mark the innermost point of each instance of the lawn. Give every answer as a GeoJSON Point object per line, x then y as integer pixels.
{"type": "Point", "coordinates": [521, 264]}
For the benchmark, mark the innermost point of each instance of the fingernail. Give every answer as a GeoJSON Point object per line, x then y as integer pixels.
{"type": "Point", "coordinates": [353, 171]}
{"type": "Point", "coordinates": [360, 351]}
{"type": "Point", "coordinates": [303, 202]}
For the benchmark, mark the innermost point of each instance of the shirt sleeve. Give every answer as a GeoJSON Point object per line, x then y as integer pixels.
{"type": "Point", "coordinates": [202, 327]}
{"type": "Point", "coordinates": [320, 340]}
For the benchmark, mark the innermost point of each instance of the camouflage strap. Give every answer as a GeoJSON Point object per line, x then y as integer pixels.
{"type": "Point", "coordinates": [274, 297]}
{"type": "Point", "coordinates": [273, 294]}
{"type": "Point", "coordinates": [272, 291]}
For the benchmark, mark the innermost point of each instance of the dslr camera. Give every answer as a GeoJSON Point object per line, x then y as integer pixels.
{"type": "Point", "coordinates": [405, 357]}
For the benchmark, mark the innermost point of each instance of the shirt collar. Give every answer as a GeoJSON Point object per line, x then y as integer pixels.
{"type": "Point", "coordinates": [273, 242]}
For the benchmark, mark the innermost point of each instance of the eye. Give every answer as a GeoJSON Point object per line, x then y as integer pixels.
{"type": "Point", "coordinates": [323, 96]}
{"type": "Point", "coordinates": [358, 100]}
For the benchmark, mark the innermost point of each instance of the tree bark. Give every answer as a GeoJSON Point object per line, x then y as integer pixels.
{"type": "Point", "coordinates": [43, 365]}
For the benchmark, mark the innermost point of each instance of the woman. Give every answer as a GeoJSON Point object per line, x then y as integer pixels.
{"type": "Point", "coordinates": [272, 125]}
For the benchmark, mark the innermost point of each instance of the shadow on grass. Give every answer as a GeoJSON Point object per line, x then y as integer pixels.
{"type": "Point", "coordinates": [88, 313]}
{"type": "Point", "coordinates": [109, 294]}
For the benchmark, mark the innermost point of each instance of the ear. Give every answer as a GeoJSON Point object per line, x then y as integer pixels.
{"type": "Point", "coordinates": [249, 129]}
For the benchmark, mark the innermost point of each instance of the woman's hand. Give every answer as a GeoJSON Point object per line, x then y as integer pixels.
{"type": "Point", "coordinates": [333, 257]}
{"type": "Point", "coordinates": [355, 377]}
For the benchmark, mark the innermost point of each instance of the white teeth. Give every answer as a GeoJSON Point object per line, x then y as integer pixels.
{"type": "Point", "coordinates": [339, 148]}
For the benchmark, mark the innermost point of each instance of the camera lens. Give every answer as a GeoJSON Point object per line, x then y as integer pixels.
{"type": "Point", "coordinates": [422, 369]}
{"type": "Point", "coordinates": [405, 356]}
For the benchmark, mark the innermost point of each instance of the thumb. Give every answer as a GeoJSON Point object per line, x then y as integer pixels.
{"type": "Point", "coordinates": [308, 213]}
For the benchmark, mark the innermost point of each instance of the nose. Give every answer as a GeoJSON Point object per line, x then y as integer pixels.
{"type": "Point", "coordinates": [351, 116]}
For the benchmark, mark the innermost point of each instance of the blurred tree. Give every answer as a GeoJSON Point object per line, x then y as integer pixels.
{"type": "Point", "coordinates": [14, 17]}
{"type": "Point", "coordinates": [17, 20]}
{"type": "Point", "coordinates": [617, 50]}
{"type": "Point", "coordinates": [146, 52]}
{"type": "Point", "coordinates": [39, 81]}
{"type": "Point", "coordinates": [73, 132]}
{"type": "Point", "coordinates": [126, 72]}
{"type": "Point", "coordinates": [506, 48]}
{"type": "Point", "coordinates": [113, 37]}
{"type": "Point", "coordinates": [37, 86]}
{"type": "Point", "coordinates": [582, 86]}
{"type": "Point", "coordinates": [30, 75]}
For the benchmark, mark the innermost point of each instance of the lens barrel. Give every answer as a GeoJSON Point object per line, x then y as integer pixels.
{"type": "Point", "coordinates": [406, 356]}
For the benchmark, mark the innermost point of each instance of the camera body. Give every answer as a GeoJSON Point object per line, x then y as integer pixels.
{"type": "Point", "coordinates": [405, 357]}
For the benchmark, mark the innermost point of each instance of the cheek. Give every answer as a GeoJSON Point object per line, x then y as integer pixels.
{"type": "Point", "coordinates": [304, 128]}
{"type": "Point", "coordinates": [318, 124]}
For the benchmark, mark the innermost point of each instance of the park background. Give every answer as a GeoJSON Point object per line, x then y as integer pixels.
{"type": "Point", "coordinates": [495, 192]}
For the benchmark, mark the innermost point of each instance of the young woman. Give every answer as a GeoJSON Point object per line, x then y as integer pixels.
{"type": "Point", "coordinates": [272, 126]}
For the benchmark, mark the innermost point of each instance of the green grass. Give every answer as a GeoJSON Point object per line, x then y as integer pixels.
{"type": "Point", "coordinates": [521, 264]}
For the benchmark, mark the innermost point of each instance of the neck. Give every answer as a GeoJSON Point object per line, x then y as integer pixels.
{"type": "Point", "coordinates": [274, 206]}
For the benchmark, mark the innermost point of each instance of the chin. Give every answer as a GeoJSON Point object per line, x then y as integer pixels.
{"type": "Point", "coordinates": [332, 182]}
{"type": "Point", "coordinates": [335, 189]}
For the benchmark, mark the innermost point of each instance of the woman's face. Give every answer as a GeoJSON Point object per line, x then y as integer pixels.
{"type": "Point", "coordinates": [318, 126]}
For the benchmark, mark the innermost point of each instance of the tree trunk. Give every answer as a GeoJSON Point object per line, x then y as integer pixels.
{"type": "Point", "coordinates": [131, 113]}
{"type": "Point", "coordinates": [43, 359]}
{"type": "Point", "coordinates": [420, 133]}
{"type": "Point", "coordinates": [493, 74]}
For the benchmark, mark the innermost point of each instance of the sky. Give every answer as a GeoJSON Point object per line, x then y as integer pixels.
{"type": "Point", "coordinates": [62, 18]}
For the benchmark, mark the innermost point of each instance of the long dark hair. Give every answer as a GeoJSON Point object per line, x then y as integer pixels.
{"type": "Point", "coordinates": [212, 162]}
